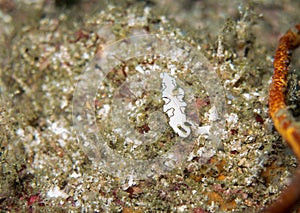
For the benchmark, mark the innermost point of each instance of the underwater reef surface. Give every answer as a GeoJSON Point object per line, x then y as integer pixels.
{"type": "Point", "coordinates": [235, 161]}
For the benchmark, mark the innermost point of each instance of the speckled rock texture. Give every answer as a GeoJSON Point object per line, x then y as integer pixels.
{"type": "Point", "coordinates": [44, 48]}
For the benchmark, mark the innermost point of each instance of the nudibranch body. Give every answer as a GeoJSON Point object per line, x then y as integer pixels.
{"type": "Point", "coordinates": [174, 105]}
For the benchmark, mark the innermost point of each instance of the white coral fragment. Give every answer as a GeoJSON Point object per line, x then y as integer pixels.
{"type": "Point", "coordinates": [174, 105]}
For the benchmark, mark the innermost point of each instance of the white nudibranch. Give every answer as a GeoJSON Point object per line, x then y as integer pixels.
{"type": "Point", "coordinates": [174, 105]}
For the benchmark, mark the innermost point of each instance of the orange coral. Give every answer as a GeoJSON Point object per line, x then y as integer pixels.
{"type": "Point", "coordinates": [282, 118]}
